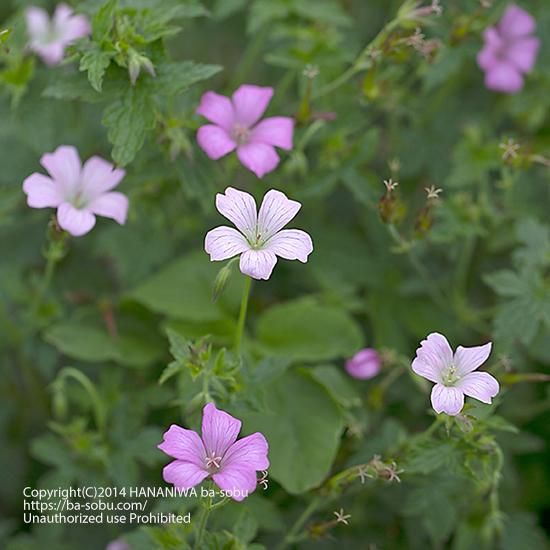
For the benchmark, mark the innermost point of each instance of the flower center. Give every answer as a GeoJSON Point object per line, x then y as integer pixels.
{"type": "Point", "coordinates": [213, 462]}
{"type": "Point", "coordinates": [450, 376]}
{"type": "Point", "coordinates": [240, 134]}
{"type": "Point", "coordinates": [79, 200]}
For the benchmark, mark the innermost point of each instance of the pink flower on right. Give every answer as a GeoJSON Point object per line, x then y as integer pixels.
{"type": "Point", "coordinates": [510, 51]}
{"type": "Point", "coordinates": [453, 373]}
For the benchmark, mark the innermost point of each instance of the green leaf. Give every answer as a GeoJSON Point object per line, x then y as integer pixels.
{"type": "Point", "coordinates": [176, 78]}
{"type": "Point", "coordinates": [183, 290]}
{"type": "Point", "coordinates": [302, 446]}
{"type": "Point", "coordinates": [303, 330]}
{"type": "Point", "coordinates": [128, 121]}
{"type": "Point", "coordinates": [337, 384]}
{"type": "Point", "coordinates": [103, 20]}
{"type": "Point", "coordinates": [505, 283]}
{"type": "Point", "coordinates": [92, 343]}
{"type": "Point", "coordinates": [96, 61]}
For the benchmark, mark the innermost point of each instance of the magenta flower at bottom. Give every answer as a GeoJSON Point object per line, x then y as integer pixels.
{"type": "Point", "coordinates": [230, 463]}
{"type": "Point", "coordinates": [78, 192]}
{"type": "Point", "coordinates": [453, 373]}
{"type": "Point", "coordinates": [510, 51]}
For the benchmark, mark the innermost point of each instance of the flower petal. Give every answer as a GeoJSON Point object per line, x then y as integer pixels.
{"type": "Point", "coordinates": [37, 22]}
{"type": "Point", "coordinates": [76, 222]}
{"type": "Point", "coordinates": [488, 57]}
{"type": "Point", "coordinates": [523, 53]}
{"type": "Point", "coordinates": [505, 78]}
{"type": "Point", "coordinates": [239, 481]}
{"type": "Point", "coordinates": [183, 474]}
{"type": "Point", "coordinates": [364, 364]}
{"type": "Point", "coordinates": [184, 445]}
{"type": "Point", "coordinates": [42, 192]}
{"type": "Point", "coordinates": [250, 103]}
{"type": "Point", "coordinates": [516, 22]}
{"type": "Point", "coordinates": [277, 131]}
{"type": "Point", "coordinates": [257, 264]}
{"type": "Point", "coordinates": [99, 176]}
{"type": "Point", "coordinates": [291, 244]}
{"type": "Point", "coordinates": [445, 399]}
{"type": "Point", "coordinates": [238, 207]}
{"type": "Point", "coordinates": [275, 212]}
{"type": "Point", "coordinates": [219, 430]}
{"type": "Point", "coordinates": [64, 167]}
{"type": "Point", "coordinates": [480, 385]}
{"type": "Point", "coordinates": [259, 158]}
{"type": "Point", "coordinates": [249, 452]}
{"type": "Point", "coordinates": [217, 109]}
{"type": "Point", "coordinates": [51, 54]}
{"type": "Point", "coordinates": [433, 355]}
{"type": "Point", "coordinates": [223, 243]}
{"type": "Point", "coordinates": [469, 359]}
{"type": "Point", "coordinates": [111, 205]}
{"type": "Point", "coordinates": [215, 141]}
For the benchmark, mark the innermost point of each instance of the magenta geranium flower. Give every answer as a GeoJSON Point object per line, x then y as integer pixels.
{"type": "Point", "coordinates": [364, 364]}
{"type": "Point", "coordinates": [453, 373]}
{"type": "Point", "coordinates": [509, 51]}
{"type": "Point", "coordinates": [78, 192]}
{"type": "Point", "coordinates": [217, 454]}
{"type": "Point", "coordinates": [49, 38]}
{"type": "Point", "coordinates": [261, 237]}
{"type": "Point", "coordinates": [235, 126]}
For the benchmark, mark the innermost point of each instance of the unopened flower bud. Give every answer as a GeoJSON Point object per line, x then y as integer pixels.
{"type": "Point", "coordinates": [364, 364]}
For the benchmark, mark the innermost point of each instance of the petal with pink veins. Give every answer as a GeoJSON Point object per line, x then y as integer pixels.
{"type": "Point", "coordinates": [183, 475]}
{"type": "Point", "coordinates": [76, 222]}
{"type": "Point", "coordinates": [42, 192]}
{"type": "Point", "coordinates": [217, 109]}
{"type": "Point", "coordinates": [250, 103]}
{"type": "Point", "coordinates": [479, 385]}
{"type": "Point", "coordinates": [523, 53]}
{"type": "Point", "coordinates": [99, 176]}
{"type": "Point", "coordinates": [259, 158]}
{"type": "Point", "coordinates": [257, 264]}
{"type": "Point", "coordinates": [248, 452]}
{"type": "Point", "coordinates": [64, 167]}
{"type": "Point", "coordinates": [448, 400]}
{"type": "Point", "coordinates": [215, 141]}
{"type": "Point", "coordinates": [505, 78]}
{"type": "Point", "coordinates": [238, 207]}
{"type": "Point", "coordinates": [275, 212]}
{"type": "Point", "coordinates": [219, 430]}
{"type": "Point", "coordinates": [291, 244]}
{"type": "Point", "coordinates": [516, 22]}
{"type": "Point", "coordinates": [224, 242]}
{"type": "Point", "coordinates": [432, 357]}
{"type": "Point", "coordinates": [185, 445]}
{"type": "Point", "coordinates": [112, 205]}
{"type": "Point", "coordinates": [276, 131]}
{"type": "Point", "coordinates": [241, 481]}
{"type": "Point", "coordinates": [469, 359]}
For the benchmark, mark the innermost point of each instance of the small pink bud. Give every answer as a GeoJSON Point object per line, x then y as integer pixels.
{"type": "Point", "coordinates": [364, 364]}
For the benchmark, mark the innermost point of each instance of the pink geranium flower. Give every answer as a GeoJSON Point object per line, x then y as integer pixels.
{"type": "Point", "coordinates": [49, 38]}
{"type": "Point", "coordinates": [453, 373]}
{"type": "Point", "coordinates": [235, 126]}
{"type": "Point", "coordinates": [364, 364]}
{"type": "Point", "coordinates": [78, 192]}
{"type": "Point", "coordinates": [509, 51]}
{"type": "Point", "coordinates": [230, 463]}
{"type": "Point", "coordinates": [261, 237]}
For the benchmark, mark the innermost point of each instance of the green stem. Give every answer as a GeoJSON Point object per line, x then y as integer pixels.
{"type": "Point", "coordinates": [45, 283]}
{"type": "Point", "coordinates": [242, 314]}
{"type": "Point", "coordinates": [202, 524]}
{"type": "Point", "coordinates": [299, 523]}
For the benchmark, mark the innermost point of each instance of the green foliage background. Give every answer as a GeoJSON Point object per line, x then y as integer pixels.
{"type": "Point", "coordinates": [128, 340]}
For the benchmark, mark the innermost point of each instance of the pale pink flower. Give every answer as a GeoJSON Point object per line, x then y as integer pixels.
{"type": "Point", "coordinates": [453, 373]}
{"type": "Point", "coordinates": [261, 237]}
{"type": "Point", "coordinates": [78, 192]}
{"type": "Point", "coordinates": [217, 454]}
{"type": "Point", "coordinates": [235, 126]}
{"type": "Point", "coordinates": [364, 364]}
{"type": "Point", "coordinates": [509, 51]}
{"type": "Point", "coordinates": [50, 37]}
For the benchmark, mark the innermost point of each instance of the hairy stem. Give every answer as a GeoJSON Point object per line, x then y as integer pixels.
{"type": "Point", "coordinates": [242, 314]}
